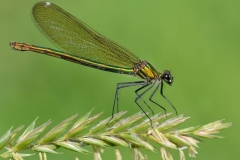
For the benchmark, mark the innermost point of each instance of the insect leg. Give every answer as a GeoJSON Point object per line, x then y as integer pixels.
{"type": "Point", "coordinates": [120, 86]}
{"type": "Point", "coordinates": [140, 95]}
{"type": "Point", "coordinates": [142, 98]}
{"type": "Point", "coordinates": [161, 92]}
{"type": "Point", "coordinates": [153, 93]}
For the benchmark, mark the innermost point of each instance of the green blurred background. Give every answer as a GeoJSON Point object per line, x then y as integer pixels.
{"type": "Point", "coordinates": [197, 40]}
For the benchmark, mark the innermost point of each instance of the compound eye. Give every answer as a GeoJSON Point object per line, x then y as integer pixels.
{"type": "Point", "coordinates": [166, 76]}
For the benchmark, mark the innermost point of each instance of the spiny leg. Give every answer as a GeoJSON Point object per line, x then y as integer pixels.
{"type": "Point", "coordinates": [140, 95]}
{"type": "Point", "coordinates": [153, 93]}
{"type": "Point", "coordinates": [120, 86]}
{"type": "Point", "coordinates": [161, 92]}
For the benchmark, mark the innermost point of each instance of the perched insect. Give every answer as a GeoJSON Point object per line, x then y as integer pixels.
{"type": "Point", "coordinates": [83, 45]}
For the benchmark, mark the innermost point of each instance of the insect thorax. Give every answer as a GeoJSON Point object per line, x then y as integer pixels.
{"type": "Point", "coordinates": [145, 71]}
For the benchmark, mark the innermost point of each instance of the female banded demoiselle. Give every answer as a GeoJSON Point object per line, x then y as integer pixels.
{"type": "Point", "coordinates": [83, 45]}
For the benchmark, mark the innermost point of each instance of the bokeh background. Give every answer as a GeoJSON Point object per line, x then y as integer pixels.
{"type": "Point", "coordinates": [198, 40]}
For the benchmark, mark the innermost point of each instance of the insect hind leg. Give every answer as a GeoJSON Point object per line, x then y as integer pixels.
{"type": "Point", "coordinates": [120, 86]}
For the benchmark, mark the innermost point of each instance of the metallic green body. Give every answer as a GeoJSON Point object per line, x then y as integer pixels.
{"type": "Point", "coordinates": [69, 57]}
